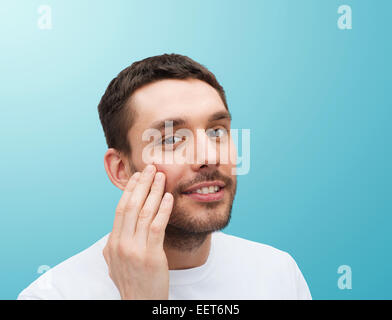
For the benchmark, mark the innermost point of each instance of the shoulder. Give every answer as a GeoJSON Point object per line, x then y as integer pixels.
{"type": "Point", "coordinates": [263, 263]}
{"type": "Point", "coordinates": [75, 278]}
{"type": "Point", "coordinates": [249, 248]}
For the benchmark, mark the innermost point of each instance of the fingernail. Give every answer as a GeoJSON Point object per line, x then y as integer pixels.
{"type": "Point", "coordinates": [159, 176]}
{"type": "Point", "coordinates": [136, 175]}
{"type": "Point", "coordinates": [167, 196]}
{"type": "Point", "coordinates": [149, 168]}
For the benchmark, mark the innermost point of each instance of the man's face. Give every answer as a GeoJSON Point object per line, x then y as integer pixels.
{"type": "Point", "coordinates": [206, 142]}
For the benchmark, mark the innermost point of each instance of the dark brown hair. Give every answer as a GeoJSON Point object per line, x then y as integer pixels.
{"type": "Point", "coordinates": [115, 116]}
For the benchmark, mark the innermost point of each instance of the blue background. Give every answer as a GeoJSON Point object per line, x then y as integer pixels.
{"type": "Point", "coordinates": [316, 98]}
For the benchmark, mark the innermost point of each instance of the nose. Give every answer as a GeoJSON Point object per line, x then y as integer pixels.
{"type": "Point", "coordinates": [206, 152]}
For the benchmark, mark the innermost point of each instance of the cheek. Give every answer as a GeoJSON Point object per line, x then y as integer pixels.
{"type": "Point", "coordinates": [173, 174]}
{"type": "Point", "coordinates": [233, 153]}
{"type": "Point", "coordinates": [230, 166]}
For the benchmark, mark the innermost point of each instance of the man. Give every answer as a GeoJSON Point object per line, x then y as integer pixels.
{"type": "Point", "coordinates": [166, 241]}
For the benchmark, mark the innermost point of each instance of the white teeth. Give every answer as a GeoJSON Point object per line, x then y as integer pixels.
{"type": "Point", "coordinates": [206, 190]}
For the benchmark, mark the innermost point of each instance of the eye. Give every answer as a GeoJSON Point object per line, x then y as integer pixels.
{"type": "Point", "coordinates": [216, 133]}
{"type": "Point", "coordinates": [171, 140]}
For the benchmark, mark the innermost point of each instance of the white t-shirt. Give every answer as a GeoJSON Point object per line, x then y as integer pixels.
{"type": "Point", "coordinates": [235, 269]}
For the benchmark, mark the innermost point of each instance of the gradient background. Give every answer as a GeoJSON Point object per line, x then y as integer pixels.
{"type": "Point", "coordinates": [316, 98]}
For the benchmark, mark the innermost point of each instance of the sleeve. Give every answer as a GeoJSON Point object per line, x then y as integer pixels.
{"type": "Point", "coordinates": [23, 296]}
{"type": "Point", "coordinates": [302, 289]}
{"type": "Point", "coordinates": [34, 294]}
{"type": "Point", "coordinates": [42, 288]}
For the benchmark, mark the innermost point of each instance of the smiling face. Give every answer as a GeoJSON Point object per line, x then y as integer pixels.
{"type": "Point", "coordinates": [203, 185]}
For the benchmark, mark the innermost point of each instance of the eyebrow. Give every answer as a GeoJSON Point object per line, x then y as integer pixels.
{"type": "Point", "coordinates": [220, 115]}
{"type": "Point", "coordinates": [175, 122]}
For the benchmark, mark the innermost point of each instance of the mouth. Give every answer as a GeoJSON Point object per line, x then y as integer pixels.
{"type": "Point", "coordinates": [206, 192]}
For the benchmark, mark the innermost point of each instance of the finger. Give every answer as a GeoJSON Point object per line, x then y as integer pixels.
{"type": "Point", "coordinates": [120, 210]}
{"type": "Point", "coordinates": [136, 202]}
{"type": "Point", "coordinates": [156, 233]}
{"type": "Point", "coordinates": [149, 209]}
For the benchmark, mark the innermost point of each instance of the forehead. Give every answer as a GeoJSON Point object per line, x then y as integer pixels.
{"type": "Point", "coordinates": [191, 99]}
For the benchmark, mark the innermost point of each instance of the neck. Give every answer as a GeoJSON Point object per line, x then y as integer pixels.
{"type": "Point", "coordinates": [187, 253]}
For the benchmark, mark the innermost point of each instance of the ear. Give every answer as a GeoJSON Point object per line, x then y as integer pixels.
{"type": "Point", "coordinates": [117, 168]}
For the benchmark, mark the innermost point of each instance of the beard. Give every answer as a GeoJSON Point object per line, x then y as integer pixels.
{"type": "Point", "coordinates": [186, 231]}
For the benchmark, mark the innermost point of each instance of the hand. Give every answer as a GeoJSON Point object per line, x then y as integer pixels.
{"type": "Point", "coordinates": [134, 252]}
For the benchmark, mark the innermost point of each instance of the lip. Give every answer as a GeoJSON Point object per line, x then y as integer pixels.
{"type": "Point", "coordinates": [209, 197]}
{"type": "Point", "coordinates": [218, 183]}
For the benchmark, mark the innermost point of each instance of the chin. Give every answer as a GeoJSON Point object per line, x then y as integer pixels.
{"type": "Point", "coordinates": [200, 221]}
